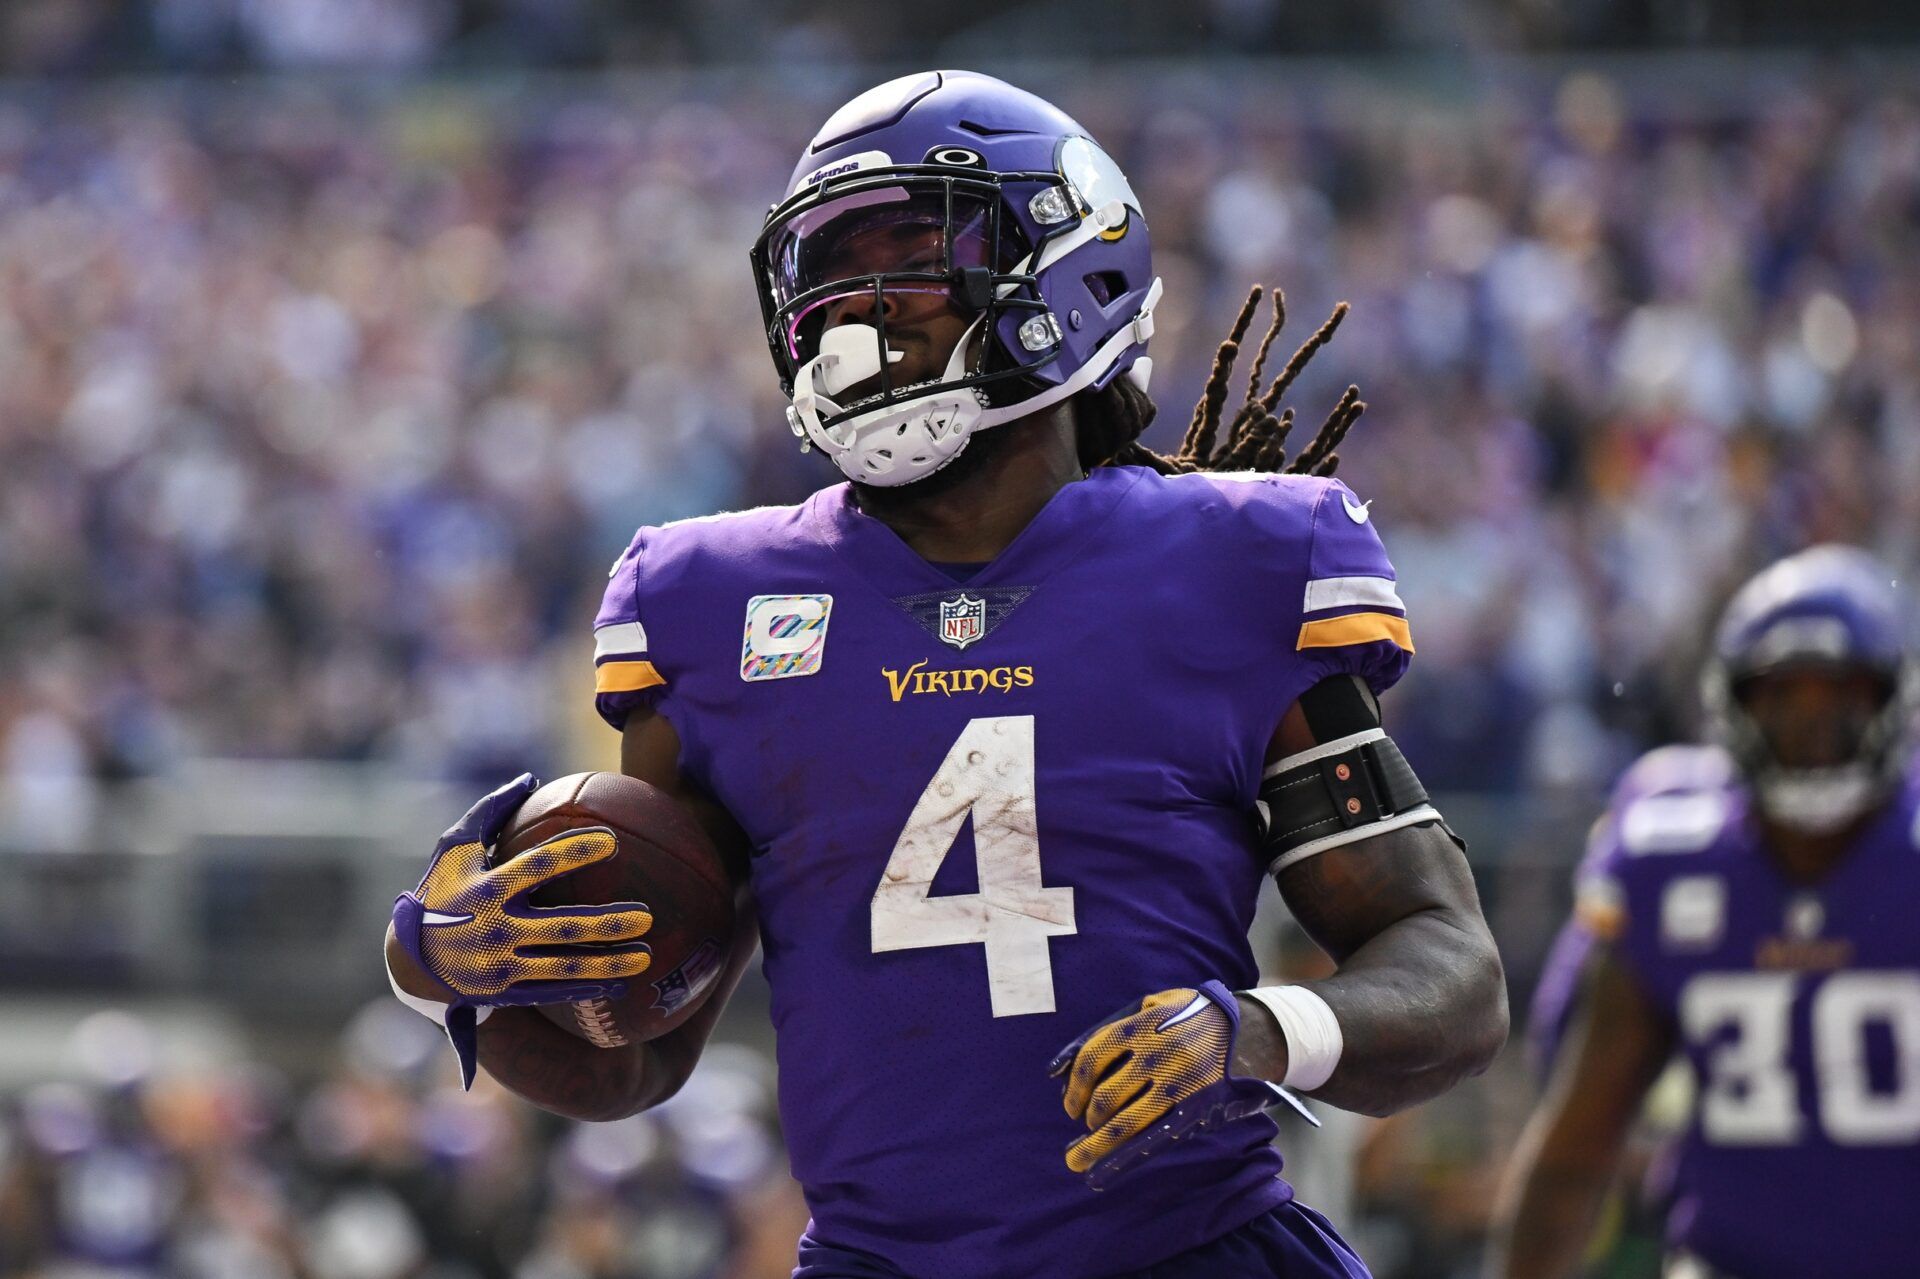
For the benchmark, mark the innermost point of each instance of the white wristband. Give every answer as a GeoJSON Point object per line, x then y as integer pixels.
{"type": "Point", "coordinates": [1311, 1030]}
{"type": "Point", "coordinates": [432, 1009]}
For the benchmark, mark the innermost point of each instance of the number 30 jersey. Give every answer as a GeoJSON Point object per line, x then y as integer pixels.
{"type": "Point", "coordinates": [988, 812]}
{"type": "Point", "coordinates": [1797, 1006]}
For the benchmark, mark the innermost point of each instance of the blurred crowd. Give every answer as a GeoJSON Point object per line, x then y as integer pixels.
{"type": "Point", "coordinates": [94, 37]}
{"type": "Point", "coordinates": [90, 37]}
{"type": "Point", "coordinates": [322, 410]}
{"type": "Point", "coordinates": [190, 1148]}
{"type": "Point", "coordinates": [380, 1168]}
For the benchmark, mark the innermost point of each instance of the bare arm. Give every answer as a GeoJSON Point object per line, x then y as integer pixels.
{"type": "Point", "coordinates": [1567, 1156]}
{"type": "Point", "coordinates": [1420, 993]}
{"type": "Point", "coordinates": [559, 1072]}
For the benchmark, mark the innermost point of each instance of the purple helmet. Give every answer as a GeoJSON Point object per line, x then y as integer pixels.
{"type": "Point", "coordinates": [1831, 607]}
{"type": "Point", "coordinates": [1025, 225]}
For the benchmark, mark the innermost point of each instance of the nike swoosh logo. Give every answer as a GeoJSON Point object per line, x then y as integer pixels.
{"type": "Point", "coordinates": [1358, 514]}
{"type": "Point", "coordinates": [434, 919]}
{"type": "Point", "coordinates": [1194, 1009]}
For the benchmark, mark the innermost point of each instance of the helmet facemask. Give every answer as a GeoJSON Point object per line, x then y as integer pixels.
{"type": "Point", "coordinates": [1044, 269]}
{"type": "Point", "coordinates": [1815, 772]}
{"type": "Point", "coordinates": [880, 292]}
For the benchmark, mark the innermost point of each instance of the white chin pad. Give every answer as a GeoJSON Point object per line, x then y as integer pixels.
{"type": "Point", "coordinates": [849, 355]}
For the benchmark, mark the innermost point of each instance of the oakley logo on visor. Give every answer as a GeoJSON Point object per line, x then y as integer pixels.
{"type": "Point", "coordinates": [960, 157]}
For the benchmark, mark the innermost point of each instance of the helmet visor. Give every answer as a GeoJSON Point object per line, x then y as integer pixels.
{"type": "Point", "coordinates": [894, 246]}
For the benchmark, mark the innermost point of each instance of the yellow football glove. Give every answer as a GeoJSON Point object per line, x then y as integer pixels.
{"type": "Point", "coordinates": [470, 927]}
{"type": "Point", "coordinates": [1146, 1077]}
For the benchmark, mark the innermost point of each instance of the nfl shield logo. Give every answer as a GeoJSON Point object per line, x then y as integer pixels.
{"type": "Point", "coordinates": [962, 621]}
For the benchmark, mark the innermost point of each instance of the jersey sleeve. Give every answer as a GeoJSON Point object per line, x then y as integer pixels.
{"type": "Point", "coordinates": [1599, 886]}
{"type": "Point", "coordinates": [1671, 805]}
{"type": "Point", "coordinates": [1352, 620]}
{"type": "Point", "coordinates": [624, 675]}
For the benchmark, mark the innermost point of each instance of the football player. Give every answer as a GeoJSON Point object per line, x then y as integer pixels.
{"type": "Point", "coordinates": [1749, 905]}
{"type": "Point", "coordinates": [1002, 736]}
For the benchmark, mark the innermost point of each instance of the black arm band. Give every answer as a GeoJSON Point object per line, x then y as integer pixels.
{"type": "Point", "coordinates": [1351, 788]}
{"type": "Point", "coordinates": [1339, 706]}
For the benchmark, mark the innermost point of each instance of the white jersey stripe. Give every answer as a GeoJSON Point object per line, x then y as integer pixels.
{"type": "Point", "coordinates": [622, 638]}
{"type": "Point", "coordinates": [1339, 592]}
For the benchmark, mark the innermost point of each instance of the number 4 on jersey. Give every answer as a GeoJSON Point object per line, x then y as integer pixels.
{"type": "Point", "coordinates": [988, 772]}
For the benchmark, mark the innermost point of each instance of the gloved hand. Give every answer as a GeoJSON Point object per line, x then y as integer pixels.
{"type": "Point", "coordinates": [1177, 1046]}
{"type": "Point", "coordinates": [471, 929]}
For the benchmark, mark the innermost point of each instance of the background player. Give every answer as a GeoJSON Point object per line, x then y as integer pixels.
{"type": "Point", "coordinates": [1749, 905]}
{"type": "Point", "coordinates": [1098, 672]}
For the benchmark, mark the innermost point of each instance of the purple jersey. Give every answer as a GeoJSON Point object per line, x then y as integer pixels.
{"type": "Point", "coordinates": [1797, 1006]}
{"type": "Point", "coordinates": [988, 813]}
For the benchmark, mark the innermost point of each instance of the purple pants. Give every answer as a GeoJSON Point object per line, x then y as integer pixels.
{"type": "Point", "coordinates": [1290, 1242]}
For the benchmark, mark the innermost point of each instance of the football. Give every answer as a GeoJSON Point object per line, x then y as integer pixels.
{"type": "Point", "coordinates": [666, 863]}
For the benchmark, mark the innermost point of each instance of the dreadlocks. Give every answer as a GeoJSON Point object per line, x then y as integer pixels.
{"type": "Point", "coordinates": [1110, 421]}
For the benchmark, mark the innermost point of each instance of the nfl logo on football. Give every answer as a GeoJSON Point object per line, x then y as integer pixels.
{"type": "Point", "coordinates": [962, 620]}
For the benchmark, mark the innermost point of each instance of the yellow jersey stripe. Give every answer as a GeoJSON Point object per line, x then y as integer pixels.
{"type": "Point", "coordinates": [1603, 919]}
{"type": "Point", "coordinates": [1356, 628]}
{"type": "Point", "coordinates": [625, 677]}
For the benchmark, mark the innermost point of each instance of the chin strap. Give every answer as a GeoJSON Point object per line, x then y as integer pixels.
{"type": "Point", "coordinates": [1136, 333]}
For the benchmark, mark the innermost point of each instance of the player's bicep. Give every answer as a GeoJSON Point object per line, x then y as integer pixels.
{"type": "Point", "coordinates": [680, 1050]}
{"type": "Point", "coordinates": [1348, 895]}
{"type": "Point", "coordinates": [1353, 842]}
{"type": "Point", "coordinates": [650, 751]}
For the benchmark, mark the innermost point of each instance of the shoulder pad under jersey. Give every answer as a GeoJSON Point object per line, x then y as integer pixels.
{"type": "Point", "coordinates": [1672, 801]}
{"type": "Point", "coordinates": [1344, 614]}
{"type": "Point", "coordinates": [1677, 799]}
{"type": "Point", "coordinates": [667, 574]}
